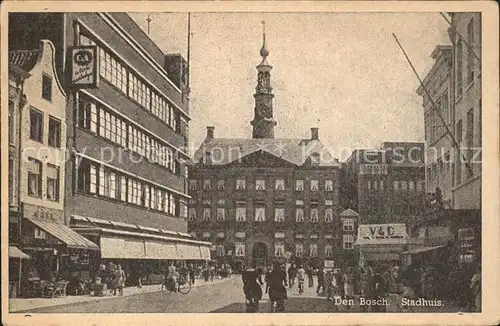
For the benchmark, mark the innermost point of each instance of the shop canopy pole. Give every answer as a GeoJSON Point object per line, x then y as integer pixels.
{"type": "Point", "coordinates": [20, 276]}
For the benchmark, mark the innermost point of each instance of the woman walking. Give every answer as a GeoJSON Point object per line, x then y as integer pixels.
{"type": "Point", "coordinates": [120, 279]}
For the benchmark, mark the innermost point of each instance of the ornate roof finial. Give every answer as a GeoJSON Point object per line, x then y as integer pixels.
{"type": "Point", "coordinates": [264, 52]}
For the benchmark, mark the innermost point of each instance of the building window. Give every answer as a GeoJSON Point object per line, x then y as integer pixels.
{"type": "Point", "coordinates": [381, 184]}
{"type": "Point", "coordinates": [192, 184]}
{"type": "Point", "coordinates": [241, 214]}
{"type": "Point", "coordinates": [396, 185]}
{"type": "Point", "coordinates": [40, 234]}
{"type": "Point", "coordinates": [404, 185]}
{"type": "Point", "coordinates": [241, 184]}
{"type": "Point", "coordinates": [34, 168]}
{"type": "Point", "coordinates": [299, 185]}
{"type": "Point", "coordinates": [299, 215]}
{"type": "Point", "coordinates": [221, 184]}
{"type": "Point", "coordinates": [299, 250]}
{"type": "Point", "coordinates": [46, 87]}
{"type": "Point", "coordinates": [279, 249]}
{"type": "Point", "coordinates": [207, 214]}
{"type": "Point", "coordinates": [470, 138]}
{"type": "Point", "coordinates": [221, 202]}
{"type": "Point", "coordinates": [459, 60]}
{"type": "Point", "coordinates": [239, 249]}
{"type": "Point", "coordinates": [328, 251]}
{"type": "Point", "coordinates": [11, 122]}
{"type": "Point", "coordinates": [36, 125]}
{"type": "Point", "coordinates": [329, 215]}
{"type": "Point", "coordinates": [87, 114]}
{"type": "Point", "coordinates": [52, 182]}
{"type": "Point", "coordinates": [279, 184]}
{"type": "Point", "coordinates": [348, 224]}
{"type": "Point", "coordinates": [470, 53]}
{"type": "Point", "coordinates": [313, 250]}
{"type": "Point", "coordinates": [375, 185]}
{"type": "Point", "coordinates": [411, 185]}
{"type": "Point", "coordinates": [260, 184]}
{"type": "Point", "coordinates": [220, 214]}
{"type": "Point", "coordinates": [314, 185]}
{"type": "Point", "coordinates": [54, 132]}
{"type": "Point", "coordinates": [220, 250]}
{"type": "Point", "coordinates": [192, 214]}
{"type": "Point", "coordinates": [260, 214]}
{"type": "Point", "coordinates": [348, 241]}
{"type": "Point", "coordinates": [466, 245]}
{"type": "Point", "coordinates": [207, 185]}
{"type": "Point", "coordinates": [279, 214]}
{"type": "Point", "coordinates": [329, 185]}
{"type": "Point", "coordinates": [369, 184]}
{"type": "Point", "coordinates": [314, 215]}
{"type": "Point", "coordinates": [459, 154]}
{"type": "Point", "coordinates": [328, 202]}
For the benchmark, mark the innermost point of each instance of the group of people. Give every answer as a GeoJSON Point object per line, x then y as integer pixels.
{"type": "Point", "coordinates": [114, 277]}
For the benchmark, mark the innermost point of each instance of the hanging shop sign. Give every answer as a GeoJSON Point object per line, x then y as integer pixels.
{"type": "Point", "coordinates": [84, 66]}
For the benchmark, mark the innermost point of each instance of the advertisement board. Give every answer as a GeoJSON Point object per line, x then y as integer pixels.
{"type": "Point", "coordinates": [84, 66]}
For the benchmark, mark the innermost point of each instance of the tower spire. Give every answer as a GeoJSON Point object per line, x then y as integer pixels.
{"type": "Point", "coordinates": [263, 123]}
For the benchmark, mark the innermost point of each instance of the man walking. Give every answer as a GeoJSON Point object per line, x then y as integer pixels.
{"type": "Point", "coordinates": [291, 275]}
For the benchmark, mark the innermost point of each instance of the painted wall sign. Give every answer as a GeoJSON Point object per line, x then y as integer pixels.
{"type": "Point", "coordinates": [373, 169]}
{"type": "Point", "coordinates": [84, 66]}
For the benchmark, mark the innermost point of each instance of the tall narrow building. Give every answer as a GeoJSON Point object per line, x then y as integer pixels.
{"type": "Point", "coordinates": [263, 123]}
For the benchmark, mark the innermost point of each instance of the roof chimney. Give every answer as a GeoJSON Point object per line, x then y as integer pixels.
{"type": "Point", "coordinates": [314, 133]}
{"type": "Point", "coordinates": [210, 132]}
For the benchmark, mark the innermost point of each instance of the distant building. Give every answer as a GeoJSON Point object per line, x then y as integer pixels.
{"type": "Point", "coordinates": [389, 183]}
{"type": "Point", "coordinates": [264, 198]}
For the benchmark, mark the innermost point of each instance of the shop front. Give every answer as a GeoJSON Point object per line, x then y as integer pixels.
{"type": "Point", "coordinates": [50, 246]}
{"type": "Point", "coordinates": [381, 244]}
{"type": "Point", "coordinates": [142, 252]}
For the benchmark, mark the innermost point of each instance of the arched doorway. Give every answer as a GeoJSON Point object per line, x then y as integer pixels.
{"type": "Point", "coordinates": [259, 254]}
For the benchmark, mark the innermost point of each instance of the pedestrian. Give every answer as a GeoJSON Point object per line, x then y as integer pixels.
{"type": "Point", "coordinates": [321, 280]}
{"type": "Point", "coordinates": [206, 273]}
{"type": "Point", "coordinates": [267, 278]}
{"type": "Point", "coordinates": [331, 284]}
{"type": "Point", "coordinates": [212, 273]}
{"type": "Point", "coordinates": [308, 270]}
{"type": "Point", "coordinates": [366, 283]}
{"type": "Point", "coordinates": [139, 272]}
{"type": "Point", "coordinates": [348, 280]}
{"type": "Point", "coordinates": [291, 275]}
{"type": "Point", "coordinates": [191, 272]}
{"type": "Point", "coordinates": [379, 290]}
{"type": "Point", "coordinates": [475, 287]}
{"type": "Point", "coordinates": [120, 279]}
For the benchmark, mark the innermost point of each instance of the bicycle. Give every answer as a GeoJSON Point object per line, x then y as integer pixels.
{"type": "Point", "coordinates": [183, 285]}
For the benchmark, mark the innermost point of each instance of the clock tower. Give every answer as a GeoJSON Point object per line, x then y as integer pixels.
{"type": "Point", "coordinates": [263, 123]}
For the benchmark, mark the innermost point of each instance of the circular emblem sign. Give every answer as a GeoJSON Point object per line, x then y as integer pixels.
{"type": "Point", "coordinates": [82, 57]}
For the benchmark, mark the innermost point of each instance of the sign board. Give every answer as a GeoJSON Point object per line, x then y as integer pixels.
{"type": "Point", "coordinates": [84, 66]}
{"type": "Point", "coordinates": [382, 233]}
{"type": "Point", "coordinates": [377, 169]}
{"type": "Point", "coordinates": [329, 263]}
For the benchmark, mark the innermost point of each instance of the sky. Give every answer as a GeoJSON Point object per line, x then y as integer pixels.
{"type": "Point", "coordinates": [341, 72]}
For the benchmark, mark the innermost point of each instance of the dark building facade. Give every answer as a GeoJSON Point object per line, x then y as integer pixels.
{"type": "Point", "coordinates": [263, 199]}
{"type": "Point", "coordinates": [389, 183]}
{"type": "Point", "coordinates": [125, 184]}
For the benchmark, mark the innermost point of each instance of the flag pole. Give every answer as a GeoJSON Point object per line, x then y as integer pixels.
{"type": "Point", "coordinates": [434, 106]}
{"type": "Point", "coordinates": [189, 51]}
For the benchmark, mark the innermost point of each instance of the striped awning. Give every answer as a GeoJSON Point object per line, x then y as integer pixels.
{"type": "Point", "coordinates": [14, 252]}
{"type": "Point", "coordinates": [65, 234]}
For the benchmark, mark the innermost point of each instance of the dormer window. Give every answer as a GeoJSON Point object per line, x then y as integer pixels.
{"type": "Point", "coordinates": [315, 159]}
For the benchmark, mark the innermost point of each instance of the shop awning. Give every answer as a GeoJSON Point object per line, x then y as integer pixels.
{"type": "Point", "coordinates": [65, 234]}
{"type": "Point", "coordinates": [414, 251]}
{"type": "Point", "coordinates": [14, 252]}
{"type": "Point", "coordinates": [188, 251]}
{"type": "Point", "coordinates": [205, 252]}
{"type": "Point", "coordinates": [161, 250]}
